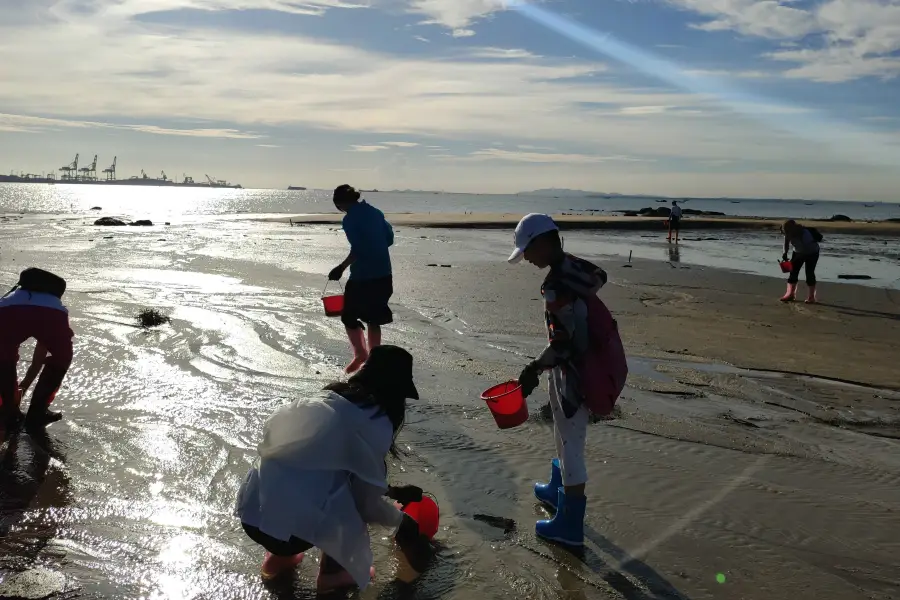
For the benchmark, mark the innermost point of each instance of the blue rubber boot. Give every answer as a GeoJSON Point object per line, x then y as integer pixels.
{"type": "Point", "coordinates": [548, 493]}
{"type": "Point", "coordinates": [567, 526]}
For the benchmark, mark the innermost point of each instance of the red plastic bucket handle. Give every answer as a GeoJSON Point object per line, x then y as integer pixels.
{"type": "Point", "coordinates": [328, 281]}
{"type": "Point", "coordinates": [506, 393]}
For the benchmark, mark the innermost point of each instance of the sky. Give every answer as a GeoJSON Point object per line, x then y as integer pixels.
{"type": "Point", "coordinates": [750, 98]}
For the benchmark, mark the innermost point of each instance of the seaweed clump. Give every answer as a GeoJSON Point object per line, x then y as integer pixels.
{"type": "Point", "coordinates": [151, 317]}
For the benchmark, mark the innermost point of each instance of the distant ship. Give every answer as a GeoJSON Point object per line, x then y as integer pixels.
{"type": "Point", "coordinates": [296, 188]}
{"type": "Point", "coordinates": [72, 174]}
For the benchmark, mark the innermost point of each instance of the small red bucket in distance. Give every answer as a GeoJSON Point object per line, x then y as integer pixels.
{"type": "Point", "coordinates": [786, 266]}
{"type": "Point", "coordinates": [426, 514]}
{"type": "Point", "coordinates": [507, 404]}
{"type": "Point", "coordinates": [334, 305]}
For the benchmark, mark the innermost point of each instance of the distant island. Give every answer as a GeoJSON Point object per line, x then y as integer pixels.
{"type": "Point", "coordinates": [296, 188]}
{"type": "Point", "coordinates": [568, 193]}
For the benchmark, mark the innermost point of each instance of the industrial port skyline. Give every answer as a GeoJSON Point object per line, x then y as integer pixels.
{"type": "Point", "coordinates": [71, 173]}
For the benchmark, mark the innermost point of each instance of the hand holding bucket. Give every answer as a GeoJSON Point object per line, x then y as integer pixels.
{"type": "Point", "coordinates": [786, 266]}
{"type": "Point", "coordinates": [507, 404]}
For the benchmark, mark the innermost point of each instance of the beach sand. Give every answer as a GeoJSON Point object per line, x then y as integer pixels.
{"type": "Point", "coordinates": [588, 222]}
{"type": "Point", "coordinates": [736, 466]}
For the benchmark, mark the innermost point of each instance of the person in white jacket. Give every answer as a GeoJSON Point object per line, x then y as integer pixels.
{"type": "Point", "coordinates": [321, 477]}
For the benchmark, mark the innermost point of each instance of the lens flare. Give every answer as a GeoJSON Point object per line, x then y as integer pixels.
{"type": "Point", "coordinates": [852, 143]}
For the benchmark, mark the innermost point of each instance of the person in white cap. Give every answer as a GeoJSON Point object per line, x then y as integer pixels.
{"type": "Point", "coordinates": [569, 282]}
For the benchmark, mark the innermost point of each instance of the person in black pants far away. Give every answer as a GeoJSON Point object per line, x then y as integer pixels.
{"type": "Point", "coordinates": [370, 285]}
{"type": "Point", "coordinates": [805, 241]}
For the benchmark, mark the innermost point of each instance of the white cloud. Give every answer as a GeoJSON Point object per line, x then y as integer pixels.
{"type": "Point", "coordinates": [422, 39]}
{"type": "Point", "coordinates": [644, 110]}
{"type": "Point", "coordinates": [851, 38]}
{"type": "Point", "coordinates": [455, 14]}
{"type": "Point", "coordinates": [462, 33]}
{"type": "Point", "coordinates": [765, 18]}
{"type": "Point", "coordinates": [502, 53]}
{"type": "Point", "coordinates": [372, 148]}
{"type": "Point", "coordinates": [401, 144]}
{"type": "Point", "coordinates": [31, 124]}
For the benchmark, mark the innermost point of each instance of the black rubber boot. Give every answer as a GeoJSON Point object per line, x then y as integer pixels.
{"type": "Point", "coordinates": [39, 415]}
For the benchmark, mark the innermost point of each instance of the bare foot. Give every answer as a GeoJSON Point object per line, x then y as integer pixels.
{"type": "Point", "coordinates": [355, 364]}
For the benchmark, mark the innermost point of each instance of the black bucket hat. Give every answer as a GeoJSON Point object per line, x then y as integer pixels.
{"type": "Point", "coordinates": [389, 368]}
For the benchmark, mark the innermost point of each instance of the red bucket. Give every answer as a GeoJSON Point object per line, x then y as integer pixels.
{"type": "Point", "coordinates": [507, 404]}
{"type": "Point", "coordinates": [426, 514]}
{"type": "Point", "coordinates": [334, 305]}
{"type": "Point", "coordinates": [786, 266]}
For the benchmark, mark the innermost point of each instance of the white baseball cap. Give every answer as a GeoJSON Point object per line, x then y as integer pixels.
{"type": "Point", "coordinates": [529, 228]}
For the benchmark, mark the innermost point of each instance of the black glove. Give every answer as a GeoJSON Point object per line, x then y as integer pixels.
{"type": "Point", "coordinates": [416, 547]}
{"type": "Point", "coordinates": [404, 494]}
{"type": "Point", "coordinates": [336, 273]}
{"type": "Point", "coordinates": [784, 256]}
{"type": "Point", "coordinates": [529, 379]}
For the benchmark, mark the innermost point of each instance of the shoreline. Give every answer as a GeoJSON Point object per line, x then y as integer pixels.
{"type": "Point", "coordinates": [582, 222]}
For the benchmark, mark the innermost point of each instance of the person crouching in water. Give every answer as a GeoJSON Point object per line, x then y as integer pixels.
{"type": "Point", "coordinates": [806, 254]}
{"type": "Point", "coordinates": [33, 308]}
{"type": "Point", "coordinates": [321, 476]}
{"type": "Point", "coordinates": [569, 281]}
{"type": "Point", "coordinates": [370, 285]}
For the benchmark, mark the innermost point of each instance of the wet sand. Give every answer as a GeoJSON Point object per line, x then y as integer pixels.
{"type": "Point", "coordinates": [787, 485]}
{"type": "Point", "coordinates": [594, 222]}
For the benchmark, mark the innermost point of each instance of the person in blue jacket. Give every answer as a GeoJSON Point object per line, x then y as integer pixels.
{"type": "Point", "coordinates": [371, 283]}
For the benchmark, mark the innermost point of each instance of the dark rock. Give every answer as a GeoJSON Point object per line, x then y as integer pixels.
{"type": "Point", "coordinates": [841, 218]}
{"type": "Point", "coordinates": [662, 211]}
{"type": "Point", "coordinates": [142, 223]}
{"type": "Point", "coordinates": [854, 277]}
{"type": "Point", "coordinates": [96, 208]}
{"type": "Point", "coordinates": [705, 213]}
{"type": "Point", "coordinates": [110, 222]}
{"type": "Point", "coordinates": [892, 220]}
{"type": "Point", "coordinates": [630, 213]}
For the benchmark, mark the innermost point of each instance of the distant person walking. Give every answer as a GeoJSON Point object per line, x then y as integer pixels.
{"type": "Point", "coordinates": [674, 220]}
{"type": "Point", "coordinates": [805, 241]}
{"type": "Point", "coordinates": [370, 285]}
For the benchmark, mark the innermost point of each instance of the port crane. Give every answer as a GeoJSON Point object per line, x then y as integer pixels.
{"type": "Point", "coordinates": [68, 169]}
{"type": "Point", "coordinates": [89, 173]}
{"type": "Point", "coordinates": [111, 171]}
{"type": "Point", "coordinates": [216, 182]}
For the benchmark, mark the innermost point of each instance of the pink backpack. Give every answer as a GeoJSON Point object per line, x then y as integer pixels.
{"type": "Point", "coordinates": [603, 369]}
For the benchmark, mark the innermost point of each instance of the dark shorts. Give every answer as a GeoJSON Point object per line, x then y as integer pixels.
{"type": "Point", "coordinates": [366, 301]}
{"type": "Point", "coordinates": [675, 223]}
{"type": "Point", "coordinates": [289, 548]}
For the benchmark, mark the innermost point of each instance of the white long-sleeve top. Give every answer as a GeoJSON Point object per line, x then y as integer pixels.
{"type": "Point", "coordinates": [321, 477]}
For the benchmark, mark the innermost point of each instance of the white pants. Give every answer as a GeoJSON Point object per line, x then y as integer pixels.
{"type": "Point", "coordinates": [569, 435]}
